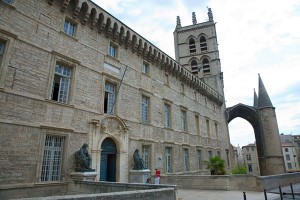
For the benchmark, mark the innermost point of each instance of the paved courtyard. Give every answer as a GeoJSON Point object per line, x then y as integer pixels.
{"type": "Point", "coordinates": [189, 194]}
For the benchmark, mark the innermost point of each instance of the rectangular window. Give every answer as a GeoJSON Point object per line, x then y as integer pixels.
{"type": "Point", "coordinates": [199, 159]}
{"type": "Point", "coordinates": [167, 110]}
{"type": "Point", "coordinates": [287, 157]}
{"type": "Point", "coordinates": [61, 84]}
{"type": "Point", "coordinates": [216, 129]}
{"type": "Point", "coordinates": [250, 168]}
{"type": "Point", "coordinates": [109, 98]}
{"type": "Point", "coordinates": [145, 68]}
{"type": "Point", "coordinates": [183, 120]}
{"type": "Point", "coordinates": [186, 160]}
{"type": "Point", "coordinates": [8, 1]}
{"type": "Point", "coordinates": [207, 128]}
{"type": "Point", "coordinates": [286, 149]}
{"type": "Point", "coordinates": [209, 154]}
{"type": "Point", "coordinates": [219, 153]}
{"type": "Point", "coordinates": [145, 109]}
{"type": "Point", "coordinates": [52, 159]}
{"type": "Point", "coordinates": [167, 79]}
{"type": "Point", "coordinates": [145, 156]}
{"type": "Point", "coordinates": [182, 88]}
{"type": "Point", "coordinates": [69, 28]}
{"type": "Point", "coordinates": [168, 160]}
{"type": "Point", "coordinates": [248, 156]}
{"type": "Point", "coordinates": [2, 47]}
{"type": "Point", "coordinates": [113, 50]}
{"type": "Point", "coordinates": [289, 165]}
{"type": "Point", "coordinates": [197, 124]}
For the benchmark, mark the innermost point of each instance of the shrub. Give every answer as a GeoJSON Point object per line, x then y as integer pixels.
{"type": "Point", "coordinates": [240, 169]}
{"type": "Point", "coordinates": [216, 165]}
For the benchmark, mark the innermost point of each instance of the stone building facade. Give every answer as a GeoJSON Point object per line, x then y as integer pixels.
{"type": "Point", "coordinates": [251, 159]}
{"type": "Point", "coordinates": [290, 152]}
{"type": "Point", "coordinates": [71, 73]}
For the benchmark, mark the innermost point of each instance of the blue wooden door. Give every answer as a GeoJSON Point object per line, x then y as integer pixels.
{"type": "Point", "coordinates": [108, 160]}
{"type": "Point", "coordinates": [103, 167]}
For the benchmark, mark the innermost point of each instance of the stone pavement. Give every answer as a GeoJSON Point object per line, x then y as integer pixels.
{"type": "Point", "coordinates": [192, 194]}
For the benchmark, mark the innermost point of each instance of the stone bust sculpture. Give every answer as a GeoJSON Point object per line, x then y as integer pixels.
{"type": "Point", "coordinates": [83, 159]}
{"type": "Point", "coordinates": [138, 161]}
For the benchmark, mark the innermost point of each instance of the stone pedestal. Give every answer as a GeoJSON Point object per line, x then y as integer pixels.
{"type": "Point", "coordinates": [139, 176]}
{"type": "Point", "coordinates": [83, 176]}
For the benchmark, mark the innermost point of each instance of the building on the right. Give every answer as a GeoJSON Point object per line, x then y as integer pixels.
{"type": "Point", "coordinates": [296, 140]}
{"type": "Point", "coordinates": [290, 153]}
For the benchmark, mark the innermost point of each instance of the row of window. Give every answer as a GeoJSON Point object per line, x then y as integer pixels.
{"type": "Point", "coordinates": [192, 45]}
{"type": "Point", "coordinates": [169, 158]}
{"type": "Point", "coordinates": [53, 156]}
{"type": "Point", "coordinates": [61, 91]}
{"type": "Point", "coordinates": [195, 68]}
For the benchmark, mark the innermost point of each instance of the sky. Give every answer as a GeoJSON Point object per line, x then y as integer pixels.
{"type": "Point", "coordinates": [257, 36]}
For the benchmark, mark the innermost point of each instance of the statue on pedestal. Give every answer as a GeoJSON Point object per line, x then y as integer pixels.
{"type": "Point", "coordinates": [138, 161]}
{"type": "Point", "coordinates": [83, 160]}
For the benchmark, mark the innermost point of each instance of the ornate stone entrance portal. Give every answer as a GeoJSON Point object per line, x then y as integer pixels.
{"type": "Point", "coordinates": [110, 148]}
{"type": "Point", "coordinates": [262, 117]}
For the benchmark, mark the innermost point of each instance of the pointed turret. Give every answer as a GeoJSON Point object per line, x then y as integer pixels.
{"type": "Point", "coordinates": [178, 22]}
{"type": "Point", "coordinates": [210, 15]}
{"type": "Point", "coordinates": [263, 97]}
{"type": "Point", "coordinates": [255, 99]}
{"type": "Point", "coordinates": [194, 18]}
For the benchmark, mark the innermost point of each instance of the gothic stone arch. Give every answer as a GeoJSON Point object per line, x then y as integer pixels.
{"type": "Point", "coordinates": [266, 135]}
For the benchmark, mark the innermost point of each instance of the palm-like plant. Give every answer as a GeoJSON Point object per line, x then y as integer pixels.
{"type": "Point", "coordinates": [216, 165]}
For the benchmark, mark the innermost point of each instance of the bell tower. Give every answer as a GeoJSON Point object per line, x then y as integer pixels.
{"type": "Point", "coordinates": [196, 49]}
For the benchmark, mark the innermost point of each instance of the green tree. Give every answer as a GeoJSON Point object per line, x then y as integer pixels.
{"type": "Point", "coordinates": [216, 165]}
{"type": "Point", "coordinates": [240, 169]}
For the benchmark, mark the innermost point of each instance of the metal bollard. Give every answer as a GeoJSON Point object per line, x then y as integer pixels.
{"type": "Point", "coordinates": [281, 197]}
{"type": "Point", "coordinates": [265, 193]}
{"type": "Point", "coordinates": [244, 194]}
{"type": "Point", "coordinates": [292, 190]}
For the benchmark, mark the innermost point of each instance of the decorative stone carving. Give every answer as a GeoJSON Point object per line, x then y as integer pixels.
{"type": "Point", "coordinates": [112, 126]}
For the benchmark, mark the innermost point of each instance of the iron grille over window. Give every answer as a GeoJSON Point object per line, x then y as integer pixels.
{"type": "Point", "coordinates": [186, 159]}
{"type": "Point", "coordinates": [52, 159]}
{"type": "Point", "coordinates": [183, 120]}
{"type": "Point", "coordinates": [145, 156]}
{"type": "Point", "coordinates": [145, 110]}
{"type": "Point", "coordinates": [167, 116]}
{"type": "Point", "coordinates": [168, 159]}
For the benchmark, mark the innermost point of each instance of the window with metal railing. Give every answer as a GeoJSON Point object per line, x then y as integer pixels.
{"type": "Point", "coordinates": [52, 158]}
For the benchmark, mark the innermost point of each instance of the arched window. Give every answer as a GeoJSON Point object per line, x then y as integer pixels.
{"type": "Point", "coordinates": [203, 44]}
{"type": "Point", "coordinates": [205, 64]}
{"type": "Point", "coordinates": [192, 45]}
{"type": "Point", "coordinates": [194, 67]}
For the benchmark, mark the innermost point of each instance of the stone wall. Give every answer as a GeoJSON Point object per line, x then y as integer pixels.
{"type": "Point", "coordinates": [231, 182]}
{"type": "Point", "coordinates": [32, 190]}
{"type": "Point", "coordinates": [90, 190]}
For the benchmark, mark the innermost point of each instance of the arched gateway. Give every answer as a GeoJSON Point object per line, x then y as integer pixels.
{"type": "Point", "coordinates": [262, 117]}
